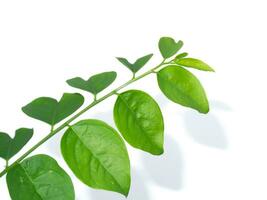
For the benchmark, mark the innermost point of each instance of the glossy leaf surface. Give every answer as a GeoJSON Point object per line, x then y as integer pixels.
{"type": "Point", "coordinates": [139, 119]}
{"type": "Point", "coordinates": [94, 84]}
{"type": "Point", "coordinates": [39, 178]}
{"type": "Point", "coordinates": [182, 87]}
{"type": "Point", "coordinates": [181, 55]}
{"type": "Point", "coordinates": [97, 156]}
{"type": "Point", "coordinates": [11, 146]}
{"type": "Point", "coordinates": [168, 47]}
{"type": "Point", "coordinates": [137, 65]}
{"type": "Point", "coordinates": [51, 111]}
{"type": "Point", "coordinates": [194, 63]}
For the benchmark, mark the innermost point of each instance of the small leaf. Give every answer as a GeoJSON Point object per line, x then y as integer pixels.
{"type": "Point", "coordinates": [139, 119]}
{"type": "Point", "coordinates": [51, 111]}
{"type": "Point", "coordinates": [94, 84]}
{"type": "Point", "coordinates": [10, 147]}
{"type": "Point", "coordinates": [168, 47]}
{"type": "Point", "coordinates": [182, 87]}
{"type": "Point", "coordinates": [97, 156]}
{"type": "Point", "coordinates": [194, 63]}
{"type": "Point", "coordinates": [137, 65]}
{"type": "Point", "coordinates": [39, 178]}
{"type": "Point", "coordinates": [181, 55]}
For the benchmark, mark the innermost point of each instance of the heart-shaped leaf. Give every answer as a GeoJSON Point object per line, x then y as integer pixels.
{"type": "Point", "coordinates": [51, 111]}
{"type": "Point", "coordinates": [137, 65]}
{"type": "Point", "coordinates": [97, 156]}
{"type": "Point", "coordinates": [194, 63]}
{"type": "Point", "coordinates": [39, 178]}
{"type": "Point", "coordinates": [139, 119]}
{"type": "Point", "coordinates": [94, 84]}
{"type": "Point", "coordinates": [168, 47]}
{"type": "Point", "coordinates": [9, 147]}
{"type": "Point", "coordinates": [182, 87]}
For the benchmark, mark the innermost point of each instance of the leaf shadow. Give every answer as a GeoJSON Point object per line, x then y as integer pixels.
{"type": "Point", "coordinates": [207, 129]}
{"type": "Point", "coordinates": [166, 170]}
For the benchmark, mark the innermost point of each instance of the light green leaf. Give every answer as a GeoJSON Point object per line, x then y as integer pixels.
{"type": "Point", "coordinates": [51, 111]}
{"type": "Point", "coordinates": [39, 178]}
{"type": "Point", "coordinates": [181, 55]}
{"type": "Point", "coordinates": [194, 63]}
{"type": "Point", "coordinates": [182, 87]}
{"type": "Point", "coordinates": [168, 47]}
{"type": "Point", "coordinates": [94, 84]}
{"type": "Point", "coordinates": [137, 65]}
{"type": "Point", "coordinates": [9, 147]}
{"type": "Point", "coordinates": [97, 156]}
{"type": "Point", "coordinates": [139, 119]}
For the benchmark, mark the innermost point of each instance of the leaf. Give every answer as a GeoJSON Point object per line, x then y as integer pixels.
{"type": "Point", "coordinates": [39, 178]}
{"type": "Point", "coordinates": [168, 47]}
{"type": "Point", "coordinates": [94, 84]}
{"type": "Point", "coordinates": [97, 156]}
{"type": "Point", "coordinates": [182, 87]}
{"type": "Point", "coordinates": [194, 63]}
{"type": "Point", "coordinates": [181, 55]}
{"type": "Point", "coordinates": [9, 147]}
{"type": "Point", "coordinates": [51, 111]}
{"type": "Point", "coordinates": [137, 65]}
{"type": "Point", "coordinates": [139, 119]}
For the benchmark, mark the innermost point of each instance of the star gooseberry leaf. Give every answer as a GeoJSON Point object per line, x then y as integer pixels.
{"type": "Point", "coordinates": [11, 146]}
{"type": "Point", "coordinates": [94, 84]}
{"type": "Point", "coordinates": [137, 65]}
{"type": "Point", "coordinates": [51, 111]}
{"type": "Point", "coordinates": [168, 47]}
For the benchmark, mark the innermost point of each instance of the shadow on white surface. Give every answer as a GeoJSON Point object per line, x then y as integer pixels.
{"type": "Point", "coordinates": [207, 129]}
{"type": "Point", "coordinates": [166, 170]}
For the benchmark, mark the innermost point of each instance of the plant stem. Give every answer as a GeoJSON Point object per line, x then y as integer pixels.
{"type": "Point", "coordinates": [66, 124]}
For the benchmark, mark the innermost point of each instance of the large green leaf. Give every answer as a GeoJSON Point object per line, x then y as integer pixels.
{"type": "Point", "coordinates": [139, 119]}
{"type": "Point", "coordinates": [39, 178]}
{"type": "Point", "coordinates": [137, 65]}
{"type": "Point", "coordinates": [194, 63]}
{"type": "Point", "coordinates": [97, 156]}
{"type": "Point", "coordinates": [182, 87]}
{"type": "Point", "coordinates": [9, 147]}
{"type": "Point", "coordinates": [168, 47]}
{"type": "Point", "coordinates": [94, 84]}
{"type": "Point", "coordinates": [51, 111]}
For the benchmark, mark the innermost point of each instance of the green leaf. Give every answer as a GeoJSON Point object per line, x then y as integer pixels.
{"type": "Point", "coordinates": [139, 119]}
{"type": "Point", "coordinates": [9, 147]}
{"type": "Point", "coordinates": [168, 47]}
{"type": "Point", "coordinates": [194, 63]}
{"type": "Point", "coordinates": [97, 156]}
{"type": "Point", "coordinates": [137, 65]}
{"type": "Point", "coordinates": [51, 111]}
{"type": "Point", "coordinates": [39, 178]}
{"type": "Point", "coordinates": [182, 87]}
{"type": "Point", "coordinates": [181, 55]}
{"type": "Point", "coordinates": [94, 84]}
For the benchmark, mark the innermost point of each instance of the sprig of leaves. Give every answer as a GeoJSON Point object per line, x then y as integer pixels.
{"type": "Point", "coordinates": [93, 150]}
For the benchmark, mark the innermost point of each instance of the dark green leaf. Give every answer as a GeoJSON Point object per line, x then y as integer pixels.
{"type": "Point", "coordinates": [168, 47]}
{"type": "Point", "coordinates": [94, 84]}
{"type": "Point", "coordinates": [51, 111]}
{"type": "Point", "coordinates": [97, 156]}
{"type": "Point", "coordinates": [194, 63]}
{"type": "Point", "coordinates": [181, 55]}
{"type": "Point", "coordinates": [137, 65]}
{"type": "Point", "coordinates": [39, 178]}
{"type": "Point", "coordinates": [139, 119]}
{"type": "Point", "coordinates": [9, 147]}
{"type": "Point", "coordinates": [182, 87]}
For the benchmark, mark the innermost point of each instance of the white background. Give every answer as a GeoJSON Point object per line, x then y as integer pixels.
{"type": "Point", "coordinates": [219, 156]}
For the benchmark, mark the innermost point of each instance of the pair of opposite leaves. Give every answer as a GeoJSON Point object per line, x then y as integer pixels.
{"type": "Point", "coordinates": [83, 144]}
